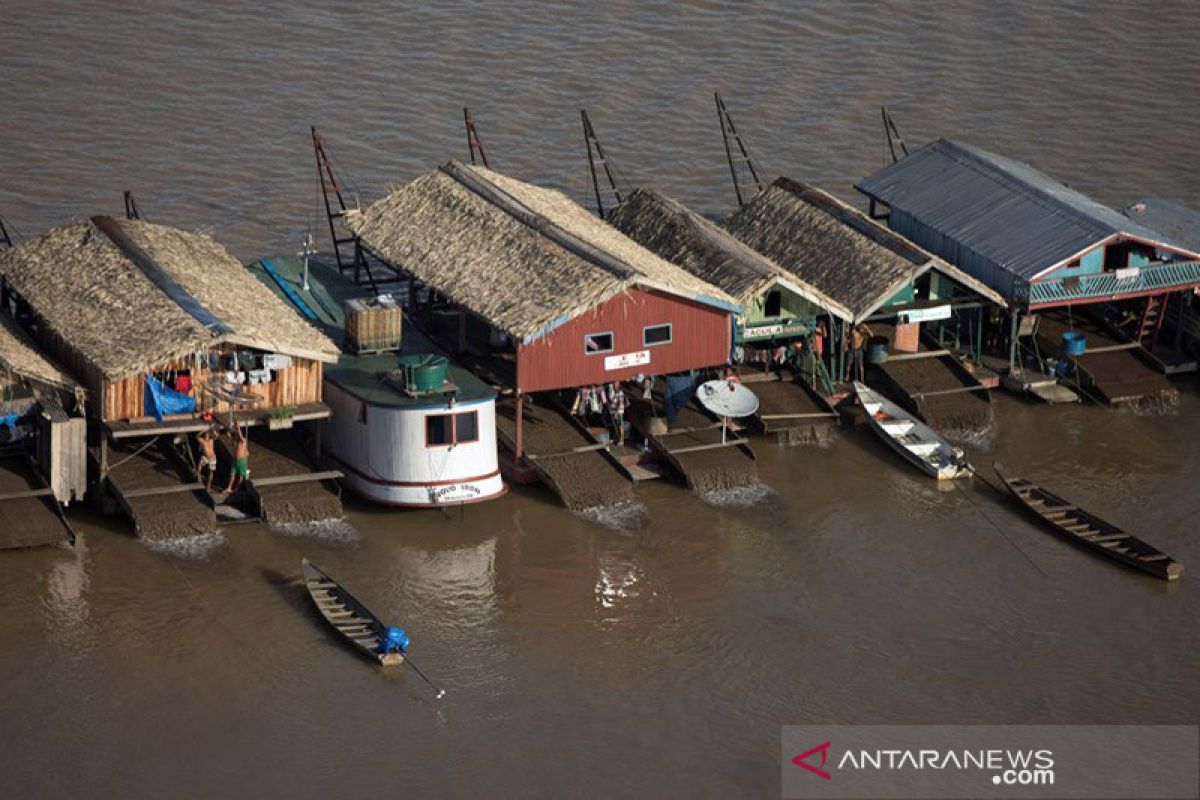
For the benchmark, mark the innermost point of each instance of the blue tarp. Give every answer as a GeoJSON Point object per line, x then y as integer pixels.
{"type": "Point", "coordinates": [9, 420]}
{"type": "Point", "coordinates": [680, 389]}
{"type": "Point", "coordinates": [160, 400]}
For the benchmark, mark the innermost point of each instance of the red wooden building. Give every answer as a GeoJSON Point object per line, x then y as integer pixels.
{"type": "Point", "coordinates": [544, 286]}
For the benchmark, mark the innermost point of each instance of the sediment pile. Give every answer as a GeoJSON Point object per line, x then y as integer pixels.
{"type": "Point", "coordinates": [716, 469]}
{"type": "Point", "coordinates": [276, 454]}
{"type": "Point", "coordinates": [966, 412]}
{"type": "Point", "coordinates": [29, 521]}
{"type": "Point", "coordinates": [584, 480]}
{"type": "Point", "coordinates": [134, 465]}
{"type": "Point", "coordinates": [779, 397]}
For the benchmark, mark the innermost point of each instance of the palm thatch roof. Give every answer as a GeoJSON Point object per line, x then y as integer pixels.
{"type": "Point", "coordinates": [130, 295]}
{"type": "Point", "coordinates": [836, 247]}
{"type": "Point", "coordinates": [523, 258]}
{"type": "Point", "coordinates": [19, 356]}
{"type": "Point", "coordinates": [707, 251]}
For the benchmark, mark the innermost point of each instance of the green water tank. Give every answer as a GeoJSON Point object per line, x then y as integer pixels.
{"type": "Point", "coordinates": [424, 373]}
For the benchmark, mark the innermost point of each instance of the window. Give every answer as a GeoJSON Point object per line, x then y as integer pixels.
{"type": "Point", "coordinates": [656, 334]}
{"type": "Point", "coordinates": [773, 305]}
{"type": "Point", "coordinates": [594, 343]}
{"type": "Point", "coordinates": [444, 430]}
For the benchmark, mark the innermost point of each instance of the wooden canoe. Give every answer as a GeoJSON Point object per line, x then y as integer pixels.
{"type": "Point", "coordinates": [348, 616]}
{"type": "Point", "coordinates": [1083, 528]}
{"type": "Point", "coordinates": [919, 444]}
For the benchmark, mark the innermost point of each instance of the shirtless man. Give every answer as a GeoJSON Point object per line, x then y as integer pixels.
{"type": "Point", "coordinates": [208, 457]}
{"type": "Point", "coordinates": [858, 345]}
{"type": "Point", "coordinates": [241, 460]}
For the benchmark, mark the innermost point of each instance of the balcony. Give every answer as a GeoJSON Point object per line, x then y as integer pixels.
{"type": "Point", "coordinates": [1109, 285]}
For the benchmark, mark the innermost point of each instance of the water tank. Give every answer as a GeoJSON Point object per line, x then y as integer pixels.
{"type": "Point", "coordinates": [877, 350]}
{"type": "Point", "coordinates": [424, 373]}
{"type": "Point", "coordinates": [1073, 343]}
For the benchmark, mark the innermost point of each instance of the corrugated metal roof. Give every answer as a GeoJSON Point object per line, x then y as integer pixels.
{"type": "Point", "coordinates": [1005, 211]}
{"type": "Point", "coordinates": [1175, 222]}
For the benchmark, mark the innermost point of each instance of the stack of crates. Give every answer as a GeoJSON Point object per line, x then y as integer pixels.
{"type": "Point", "coordinates": [373, 324]}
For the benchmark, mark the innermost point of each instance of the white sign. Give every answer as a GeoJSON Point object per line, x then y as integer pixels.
{"type": "Point", "coordinates": [926, 314]}
{"type": "Point", "coordinates": [640, 358]}
{"type": "Point", "coordinates": [1128, 273]}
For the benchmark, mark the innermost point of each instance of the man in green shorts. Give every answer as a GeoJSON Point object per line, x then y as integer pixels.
{"type": "Point", "coordinates": [241, 460]}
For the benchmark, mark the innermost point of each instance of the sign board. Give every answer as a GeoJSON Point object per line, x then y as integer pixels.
{"type": "Point", "coordinates": [625, 360]}
{"type": "Point", "coordinates": [926, 314]}
{"type": "Point", "coordinates": [751, 333]}
{"type": "Point", "coordinates": [1128, 273]}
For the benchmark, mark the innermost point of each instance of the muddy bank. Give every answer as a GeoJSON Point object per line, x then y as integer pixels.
{"type": "Point", "coordinates": [961, 412]}
{"type": "Point", "coordinates": [778, 398]}
{"type": "Point", "coordinates": [280, 453]}
{"type": "Point", "coordinates": [583, 480]}
{"type": "Point", "coordinates": [711, 470]}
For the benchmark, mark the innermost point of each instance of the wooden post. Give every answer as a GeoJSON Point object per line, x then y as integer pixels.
{"type": "Point", "coordinates": [520, 443]}
{"type": "Point", "coordinates": [1012, 339]}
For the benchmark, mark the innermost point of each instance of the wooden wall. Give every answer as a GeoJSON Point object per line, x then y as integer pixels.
{"type": "Point", "coordinates": [297, 385]}
{"type": "Point", "coordinates": [701, 337]}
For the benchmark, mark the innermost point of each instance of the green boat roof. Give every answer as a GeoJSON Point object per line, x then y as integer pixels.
{"type": "Point", "coordinates": [360, 375]}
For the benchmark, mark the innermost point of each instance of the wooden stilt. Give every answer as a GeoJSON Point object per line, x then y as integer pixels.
{"type": "Point", "coordinates": [520, 437]}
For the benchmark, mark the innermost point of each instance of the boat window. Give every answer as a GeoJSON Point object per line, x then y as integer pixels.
{"type": "Point", "coordinates": [439, 430]}
{"type": "Point", "coordinates": [773, 305]}
{"type": "Point", "coordinates": [656, 334]}
{"type": "Point", "coordinates": [598, 343]}
{"type": "Point", "coordinates": [466, 427]}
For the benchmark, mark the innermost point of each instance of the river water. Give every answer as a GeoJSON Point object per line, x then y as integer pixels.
{"type": "Point", "coordinates": [582, 659]}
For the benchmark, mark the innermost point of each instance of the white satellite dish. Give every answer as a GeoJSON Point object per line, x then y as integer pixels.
{"type": "Point", "coordinates": [727, 398]}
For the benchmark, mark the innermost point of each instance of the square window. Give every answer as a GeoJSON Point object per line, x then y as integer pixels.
{"type": "Point", "coordinates": [439, 430]}
{"type": "Point", "coordinates": [466, 427]}
{"type": "Point", "coordinates": [598, 343]}
{"type": "Point", "coordinates": [656, 334]}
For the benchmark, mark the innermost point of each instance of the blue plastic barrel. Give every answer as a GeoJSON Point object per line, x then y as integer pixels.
{"type": "Point", "coordinates": [1073, 343]}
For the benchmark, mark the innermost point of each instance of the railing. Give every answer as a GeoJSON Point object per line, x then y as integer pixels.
{"type": "Point", "coordinates": [1164, 277]}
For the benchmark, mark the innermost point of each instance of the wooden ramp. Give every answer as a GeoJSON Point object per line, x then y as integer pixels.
{"type": "Point", "coordinates": [1111, 371]}
{"type": "Point", "coordinates": [29, 514]}
{"type": "Point", "coordinates": [694, 448]}
{"type": "Point", "coordinates": [154, 488]}
{"type": "Point", "coordinates": [935, 386]}
{"type": "Point", "coordinates": [790, 409]}
{"type": "Point", "coordinates": [284, 485]}
{"type": "Point", "coordinates": [565, 458]}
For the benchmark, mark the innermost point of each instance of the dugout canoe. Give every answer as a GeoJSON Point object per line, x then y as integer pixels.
{"type": "Point", "coordinates": [1089, 530]}
{"type": "Point", "coordinates": [348, 616]}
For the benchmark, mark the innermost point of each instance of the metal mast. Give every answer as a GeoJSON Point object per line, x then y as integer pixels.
{"type": "Point", "coordinates": [729, 132]}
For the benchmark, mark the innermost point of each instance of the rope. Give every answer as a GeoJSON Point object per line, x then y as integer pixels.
{"type": "Point", "coordinates": [134, 454]}
{"type": "Point", "coordinates": [993, 523]}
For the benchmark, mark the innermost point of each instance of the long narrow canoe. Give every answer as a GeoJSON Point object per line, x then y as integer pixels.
{"type": "Point", "coordinates": [348, 616]}
{"type": "Point", "coordinates": [1083, 528]}
{"type": "Point", "coordinates": [917, 442]}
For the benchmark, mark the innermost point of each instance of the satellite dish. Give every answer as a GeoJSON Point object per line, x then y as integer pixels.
{"type": "Point", "coordinates": [727, 398]}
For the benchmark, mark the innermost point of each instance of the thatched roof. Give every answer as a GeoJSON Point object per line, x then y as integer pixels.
{"type": "Point", "coordinates": [165, 294]}
{"type": "Point", "coordinates": [523, 258]}
{"type": "Point", "coordinates": [20, 356]}
{"type": "Point", "coordinates": [836, 247]}
{"type": "Point", "coordinates": [707, 251]}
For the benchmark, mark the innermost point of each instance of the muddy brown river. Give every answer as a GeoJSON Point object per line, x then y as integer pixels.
{"type": "Point", "coordinates": [648, 654]}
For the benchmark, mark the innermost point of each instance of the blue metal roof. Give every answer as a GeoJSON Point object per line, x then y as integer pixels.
{"type": "Point", "coordinates": [1175, 222]}
{"type": "Point", "coordinates": [1003, 211]}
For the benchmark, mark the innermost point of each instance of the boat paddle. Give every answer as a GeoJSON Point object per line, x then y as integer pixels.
{"type": "Point", "coordinates": [440, 692]}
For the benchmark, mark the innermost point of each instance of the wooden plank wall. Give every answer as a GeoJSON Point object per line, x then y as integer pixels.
{"type": "Point", "coordinates": [299, 384]}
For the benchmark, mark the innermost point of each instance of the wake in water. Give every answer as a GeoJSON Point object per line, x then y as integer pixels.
{"type": "Point", "coordinates": [626, 516]}
{"type": "Point", "coordinates": [194, 547]}
{"type": "Point", "coordinates": [331, 530]}
{"type": "Point", "coordinates": [752, 495]}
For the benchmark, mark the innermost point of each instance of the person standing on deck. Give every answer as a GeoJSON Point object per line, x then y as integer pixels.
{"type": "Point", "coordinates": [858, 344]}
{"type": "Point", "coordinates": [617, 402]}
{"type": "Point", "coordinates": [241, 460]}
{"type": "Point", "coordinates": [207, 462]}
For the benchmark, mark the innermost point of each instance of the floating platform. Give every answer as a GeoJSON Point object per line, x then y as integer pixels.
{"type": "Point", "coordinates": [1110, 371]}
{"type": "Point", "coordinates": [562, 455]}
{"type": "Point", "coordinates": [151, 484]}
{"type": "Point", "coordinates": [790, 409]}
{"type": "Point", "coordinates": [1039, 384]}
{"type": "Point", "coordinates": [937, 388]}
{"type": "Point", "coordinates": [29, 514]}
